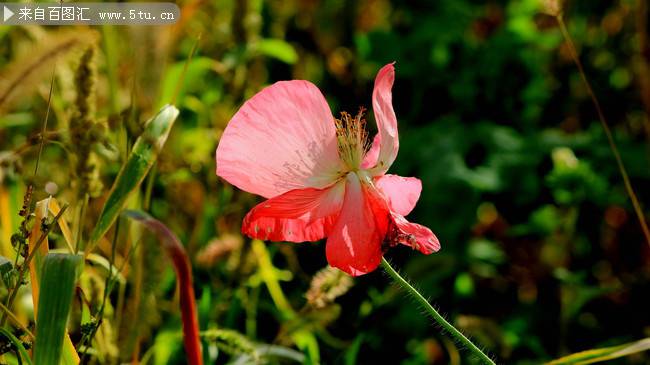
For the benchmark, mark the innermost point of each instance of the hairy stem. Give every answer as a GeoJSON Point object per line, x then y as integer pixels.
{"type": "Point", "coordinates": [433, 313]}
{"type": "Point", "coordinates": [608, 132]}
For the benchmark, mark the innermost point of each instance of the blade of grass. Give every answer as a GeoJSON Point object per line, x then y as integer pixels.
{"type": "Point", "coordinates": [603, 354]}
{"type": "Point", "coordinates": [610, 138]}
{"type": "Point", "coordinates": [176, 252]}
{"type": "Point", "coordinates": [17, 321]}
{"type": "Point", "coordinates": [38, 249]}
{"type": "Point", "coordinates": [304, 339]}
{"type": "Point", "coordinates": [267, 273]}
{"type": "Point", "coordinates": [55, 208]}
{"type": "Point", "coordinates": [47, 116]}
{"type": "Point", "coordinates": [21, 353]}
{"type": "Point", "coordinates": [37, 253]}
{"type": "Point", "coordinates": [59, 275]}
{"type": "Point", "coordinates": [70, 355]}
{"type": "Point", "coordinates": [181, 79]}
{"type": "Point", "coordinates": [142, 157]}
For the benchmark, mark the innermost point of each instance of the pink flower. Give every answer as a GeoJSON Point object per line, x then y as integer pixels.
{"type": "Point", "coordinates": [321, 176]}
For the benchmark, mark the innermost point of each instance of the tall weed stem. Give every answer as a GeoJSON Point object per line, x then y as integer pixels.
{"type": "Point", "coordinates": [608, 132]}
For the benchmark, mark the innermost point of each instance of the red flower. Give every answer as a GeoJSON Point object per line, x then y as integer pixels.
{"type": "Point", "coordinates": [321, 176]}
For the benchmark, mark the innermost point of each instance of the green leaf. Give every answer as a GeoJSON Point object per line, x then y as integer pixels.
{"type": "Point", "coordinates": [22, 353]}
{"type": "Point", "coordinates": [352, 352]}
{"type": "Point", "coordinates": [166, 344]}
{"type": "Point", "coordinates": [278, 49]}
{"type": "Point", "coordinates": [142, 157]}
{"type": "Point", "coordinates": [603, 354]}
{"type": "Point", "coordinates": [58, 278]}
{"type": "Point", "coordinates": [197, 71]}
{"type": "Point", "coordinates": [6, 270]}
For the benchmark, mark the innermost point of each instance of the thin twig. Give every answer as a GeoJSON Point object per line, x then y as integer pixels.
{"type": "Point", "coordinates": [30, 188]}
{"type": "Point", "coordinates": [108, 287]}
{"type": "Point", "coordinates": [17, 321]}
{"type": "Point", "coordinates": [14, 85]}
{"type": "Point", "coordinates": [47, 116]}
{"type": "Point", "coordinates": [608, 133]}
{"type": "Point", "coordinates": [181, 79]}
{"type": "Point", "coordinates": [25, 264]}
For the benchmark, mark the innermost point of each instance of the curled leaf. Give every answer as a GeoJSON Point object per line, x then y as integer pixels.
{"type": "Point", "coordinates": [176, 252]}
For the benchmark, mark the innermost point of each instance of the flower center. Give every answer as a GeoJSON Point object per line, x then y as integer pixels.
{"type": "Point", "coordinates": [352, 138]}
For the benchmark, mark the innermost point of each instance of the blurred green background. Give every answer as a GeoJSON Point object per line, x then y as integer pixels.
{"type": "Point", "coordinates": [542, 254]}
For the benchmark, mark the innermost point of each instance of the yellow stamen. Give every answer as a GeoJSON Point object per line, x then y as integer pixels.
{"type": "Point", "coordinates": [352, 138]}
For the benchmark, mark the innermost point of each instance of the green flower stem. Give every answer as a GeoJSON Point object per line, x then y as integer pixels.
{"type": "Point", "coordinates": [456, 334]}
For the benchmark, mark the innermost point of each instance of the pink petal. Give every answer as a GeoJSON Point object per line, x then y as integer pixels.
{"type": "Point", "coordinates": [354, 243]}
{"type": "Point", "coordinates": [382, 104]}
{"type": "Point", "coordinates": [415, 235]}
{"type": "Point", "coordinates": [296, 216]}
{"type": "Point", "coordinates": [282, 139]}
{"type": "Point", "coordinates": [401, 193]}
{"type": "Point", "coordinates": [370, 159]}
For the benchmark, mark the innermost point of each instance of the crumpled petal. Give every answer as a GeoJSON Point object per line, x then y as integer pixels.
{"type": "Point", "coordinates": [382, 104]}
{"type": "Point", "coordinates": [281, 139]}
{"type": "Point", "coordinates": [415, 235]}
{"type": "Point", "coordinates": [354, 243]}
{"type": "Point", "coordinates": [401, 193]}
{"type": "Point", "coordinates": [296, 216]}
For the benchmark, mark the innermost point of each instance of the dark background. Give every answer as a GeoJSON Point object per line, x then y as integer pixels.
{"type": "Point", "coordinates": [542, 254]}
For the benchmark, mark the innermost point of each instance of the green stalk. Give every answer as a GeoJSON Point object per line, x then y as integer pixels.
{"type": "Point", "coordinates": [456, 334]}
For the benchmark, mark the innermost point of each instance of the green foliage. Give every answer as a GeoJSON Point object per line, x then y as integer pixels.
{"type": "Point", "coordinates": [21, 352]}
{"type": "Point", "coordinates": [279, 49]}
{"type": "Point", "coordinates": [230, 342]}
{"type": "Point", "coordinates": [142, 157]}
{"type": "Point", "coordinates": [541, 253]}
{"type": "Point", "coordinates": [196, 73]}
{"type": "Point", "coordinates": [7, 272]}
{"type": "Point", "coordinates": [58, 279]}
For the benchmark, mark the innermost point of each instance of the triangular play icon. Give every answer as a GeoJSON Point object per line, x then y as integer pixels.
{"type": "Point", "coordinates": [7, 13]}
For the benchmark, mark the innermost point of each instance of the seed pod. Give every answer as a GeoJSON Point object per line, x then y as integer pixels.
{"type": "Point", "coordinates": [327, 285]}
